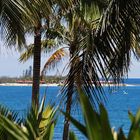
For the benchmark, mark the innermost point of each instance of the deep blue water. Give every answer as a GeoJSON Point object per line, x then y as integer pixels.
{"type": "Point", "coordinates": [120, 100]}
{"type": "Point", "coordinates": [135, 81]}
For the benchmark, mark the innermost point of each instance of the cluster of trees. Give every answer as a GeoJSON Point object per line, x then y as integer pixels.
{"type": "Point", "coordinates": [48, 79]}
{"type": "Point", "coordinates": [100, 35]}
{"type": "Point", "coordinates": [8, 80]}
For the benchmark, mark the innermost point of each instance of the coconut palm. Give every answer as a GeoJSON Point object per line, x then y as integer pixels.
{"type": "Point", "coordinates": [16, 18]}
{"type": "Point", "coordinates": [34, 12]}
{"type": "Point", "coordinates": [81, 21]}
{"type": "Point", "coordinates": [99, 48]}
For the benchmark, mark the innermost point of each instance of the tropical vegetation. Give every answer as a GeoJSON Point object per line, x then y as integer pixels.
{"type": "Point", "coordinates": [37, 125]}
{"type": "Point", "coordinates": [100, 35]}
{"type": "Point", "coordinates": [97, 127]}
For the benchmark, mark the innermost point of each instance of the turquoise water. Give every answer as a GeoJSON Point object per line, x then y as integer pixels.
{"type": "Point", "coordinates": [119, 102]}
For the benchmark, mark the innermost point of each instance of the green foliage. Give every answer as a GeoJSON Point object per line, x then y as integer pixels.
{"type": "Point", "coordinates": [11, 24]}
{"type": "Point", "coordinates": [97, 126]}
{"type": "Point", "coordinates": [134, 132]}
{"type": "Point", "coordinates": [39, 124]}
{"type": "Point", "coordinates": [72, 136]}
{"type": "Point", "coordinates": [11, 115]}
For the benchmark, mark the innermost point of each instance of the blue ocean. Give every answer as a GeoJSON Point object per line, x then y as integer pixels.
{"type": "Point", "coordinates": [119, 101]}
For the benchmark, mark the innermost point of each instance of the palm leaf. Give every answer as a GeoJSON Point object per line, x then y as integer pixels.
{"type": "Point", "coordinates": [78, 125]}
{"type": "Point", "coordinates": [38, 124]}
{"type": "Point", "coordinates": [12, 129]}
{"type": "Point", "coordinates": [54, 59]}
{"type": "Point", "coordinates": [96, 125]}
{"type": "Point", "coordinates": [135, 127]}
{"type": "Point", "coordinates": [12, 26]}
{"type": "Point", "coordinates": [117, 33]}
{"type": "Point", "coordinates": [88, 63]}
{"type": "Point", "coordinates": [11, 115]}
{"type": "Point", "coordinates": [72, 136]}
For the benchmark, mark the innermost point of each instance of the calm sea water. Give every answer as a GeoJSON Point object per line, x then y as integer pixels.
{"type": "Point", "coordinates": [120, 100]}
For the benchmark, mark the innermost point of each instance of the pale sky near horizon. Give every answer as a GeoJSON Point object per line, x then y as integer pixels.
{"type": "Point", "coordinates": [10, 66]}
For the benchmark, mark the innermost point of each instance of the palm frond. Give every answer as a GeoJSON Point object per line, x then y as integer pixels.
{"type": "Point", "coordinates": [67, 5]}
{"type": "Point", "coordinates": [12, 26]}
{"type": "Point", "coordinates": [102, 4]}
{"type": "Point", "coordinates": [118, 30]}
{"type": "Point", "coordinates": [39, 124]}
{"type": "Point", "coordinates": [87, 63]}
{"type": "Point", "coordinates": [9, 114]}
{"type": "Point", "coordinates": [54, 59]}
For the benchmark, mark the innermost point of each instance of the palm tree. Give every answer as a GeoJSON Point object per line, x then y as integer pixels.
{"type": "Point", "coordinates": [16, 17]}
{"type": "Point", "coordinates": [27, 15]}
{"type": "Point", "coordinates": [102, 51]}
{"type": "Point", "coordinates": [11, 24]}
{"type": "Point", "coordinates": [34, 12]}
{"type": "Point", "coordinates": [81, 21]}
{"type": "Point", "coordinates": [99, 48]}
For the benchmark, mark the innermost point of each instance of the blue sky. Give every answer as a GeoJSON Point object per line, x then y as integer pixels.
{"type": "Point", "coordinates": [10, 66]}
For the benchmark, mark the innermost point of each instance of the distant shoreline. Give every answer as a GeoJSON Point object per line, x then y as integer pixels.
{"type": "Point", "coordinates": [55, 84]}
{"type": "Point", "coordinates": [19, 84]}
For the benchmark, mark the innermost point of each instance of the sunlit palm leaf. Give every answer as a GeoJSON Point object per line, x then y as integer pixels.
{"type": "Point", "coordinates": [39, 123]}
{"type": "Point", "coordinates": [54, 59]}
{"type": "Point", "coordinates": [13, 130]}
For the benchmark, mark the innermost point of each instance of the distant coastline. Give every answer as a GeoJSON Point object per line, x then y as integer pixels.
{"type": "Point", "coordinates": [58, 84]}
{"type": "Point", "coordinates": [25, 84]}
{"type": "Point", "coordinates": [52, 84]}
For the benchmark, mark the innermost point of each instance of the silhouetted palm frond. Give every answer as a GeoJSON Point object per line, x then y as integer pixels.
{"type": "Point", "coordinates": [86, 64]}
{"type": "Point", "coordinates": [11, 24]}
{"type": "Point", "coordinates": [118, 35]}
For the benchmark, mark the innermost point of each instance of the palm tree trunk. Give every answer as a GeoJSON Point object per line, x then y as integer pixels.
{"type": "Point", "coordinates": [36, 66]}
{"type": "Point", "coordinates": [68, 111]}
{"type": "Point", "coordinates": [69, 95]}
